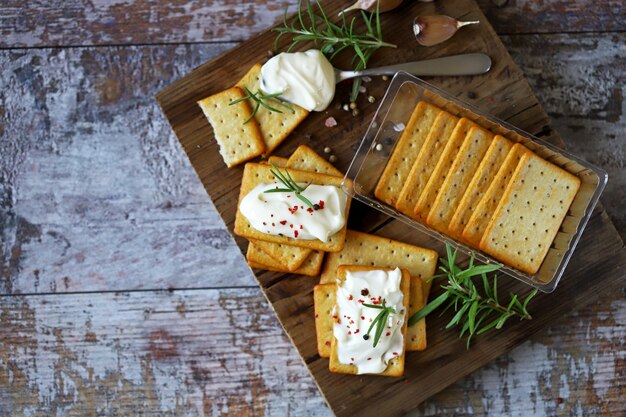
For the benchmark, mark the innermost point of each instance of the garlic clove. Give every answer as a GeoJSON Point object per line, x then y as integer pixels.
{"type": "Point", "coordinates": [432, 30]}
{"type": "Point", "coordinates": [370, 5]}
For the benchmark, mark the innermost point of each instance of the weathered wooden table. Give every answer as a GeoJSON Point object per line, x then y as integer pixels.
{"type": "Point", "coordinates": [122, 293]}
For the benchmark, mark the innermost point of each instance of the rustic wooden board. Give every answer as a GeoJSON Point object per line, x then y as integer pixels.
{"type": "Point", "coordinates": [506, 95]}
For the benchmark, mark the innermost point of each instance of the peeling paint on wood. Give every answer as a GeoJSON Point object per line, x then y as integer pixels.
{"type": "Point", "coordinates": [125, 22]}
{"type": "Point", "coordinates": [96, 193]}
{"type": "Point", "coordinates": [133, 353]}
{"type": "Point", "coordinates": [567, 16]}
{"type": "Point", "coordinates": [227, 357]}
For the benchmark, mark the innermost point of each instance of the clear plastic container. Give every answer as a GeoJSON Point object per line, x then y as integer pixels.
{"type": "Point", "coordinates": [393, 113]}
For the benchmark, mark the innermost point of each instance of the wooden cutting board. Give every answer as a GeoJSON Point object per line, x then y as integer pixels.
{"type": "Point", "coordinates": [598, 264]}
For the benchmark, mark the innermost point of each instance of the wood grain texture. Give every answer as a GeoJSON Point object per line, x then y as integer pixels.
{"type": "Point", "coordinates": [96, 194]}
{"type": "Point", "coordinates": [204, 352]}
{"type": "Point", "coordinates": [126, 22]}
{"type": "Point", "coordinates": [447, 359]}
{"type": "Point", "coordinates": [222, 352]}
{"type": "Point", "coordinates": [575, 367]}
{"type": "Point", "coordinates": [565, 16]}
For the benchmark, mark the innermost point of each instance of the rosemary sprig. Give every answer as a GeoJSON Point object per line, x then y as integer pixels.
{"type": "Point", "coordinates": [290, 186]}
{"type": "Point", "coordinates": [380, 321]}
{"type": "Point", "coordinates": [333, 38]}
{"type": "Point", "coordinates": [261, 99]}
{"type": "Point", "coordinates": [476, 313]}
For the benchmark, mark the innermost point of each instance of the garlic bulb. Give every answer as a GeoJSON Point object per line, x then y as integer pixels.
{"type": "Point", "coordinates": [431, 30]}
{"type": "Point", "coordinates": [370, 5]}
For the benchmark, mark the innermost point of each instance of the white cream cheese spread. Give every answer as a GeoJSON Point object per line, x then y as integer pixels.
{"type": "Point", "coordinates": [303, 78]}
{"type": "Point", "coordinates": [352, 319]}
{"type": "Point", "coordinates": [284, 214]}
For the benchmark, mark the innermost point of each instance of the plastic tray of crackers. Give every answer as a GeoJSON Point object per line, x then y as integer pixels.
{"type": "Point", "coordinates": [466, 178]}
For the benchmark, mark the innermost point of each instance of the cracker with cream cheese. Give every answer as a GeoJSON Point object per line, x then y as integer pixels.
{"type": "Point", "coordinates": [274, 126]}
{"type": "Point", "coordinates": [256, 174]}
{"type": "Point", "coordinates": [395, 366]}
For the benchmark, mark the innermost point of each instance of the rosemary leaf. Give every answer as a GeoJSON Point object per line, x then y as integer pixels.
{"type": "Point", "coordinates": [476, 311]}
{"type": "Point", "coordinates": [380, 321]}
{"type": "Point", "coordinates": [291, 186]}
{"type": "Point", "coordinates": [430, 307]}
{"type": "Point", "coordinates": [332, 38]}
{"type": "Point", "coordinates": [259, 100]}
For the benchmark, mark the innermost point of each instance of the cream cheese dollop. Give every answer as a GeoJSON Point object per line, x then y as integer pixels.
{"type": "Point", "coordinates": [303, 78]}
{"type": "Point", "coordinates": [284, 214]}
{"type": "Point", "coordinates": [353, 319]}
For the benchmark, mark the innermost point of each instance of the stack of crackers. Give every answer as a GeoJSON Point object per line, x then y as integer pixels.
{"type": "Point", "coordinates": [364, 251]}
{"type": "Point", "coordinates": [345, 250]}
{"type": "Point", "coordinates": [238, 140]}
{"type": "Point", "coordinates": [482, 189]}
{"type": "Point", "coordinates": [281, 253]}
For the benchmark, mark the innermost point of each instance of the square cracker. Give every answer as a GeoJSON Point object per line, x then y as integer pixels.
{"type": "Point", "coordinates": [255, 174]}
{"type": "Point", "coordinates": [429, 194]}
{"type": "Point", "coordinates": [274, 127]}
{"type": "Point", "coordinates": [279, 161]}
{"type": "Point", "coordinates": [290, 257]}
{"type": "Point", "coordinates": [530, 214]}
{"type": "Point", "coordinates": [287, 255]}
{"type": "Point", "coordinates": [365, 249]}
{"type": "Point", "coordinates": [238, 142]}
{"type": "Point", "coordinates": [306, 159]}
{"type": "Point", "coordinates": [260, 260]}
{"type": "Point", "coordinates": [458, 178]}
{"type": "Point", "coordinates": [416, 334]}
{"type": "Point", "coordinates": [483, 177]}
{"type": "Point", "coordinates": [324, 298]}
{"type": "Point", "coordinates": [426, 161]}
{"type": "Point", "coordinates": [405, 152]}
{"type": "Point", "coordinates": [479, 219]}
{"type": "Point", "coordinates": [395, 367]}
